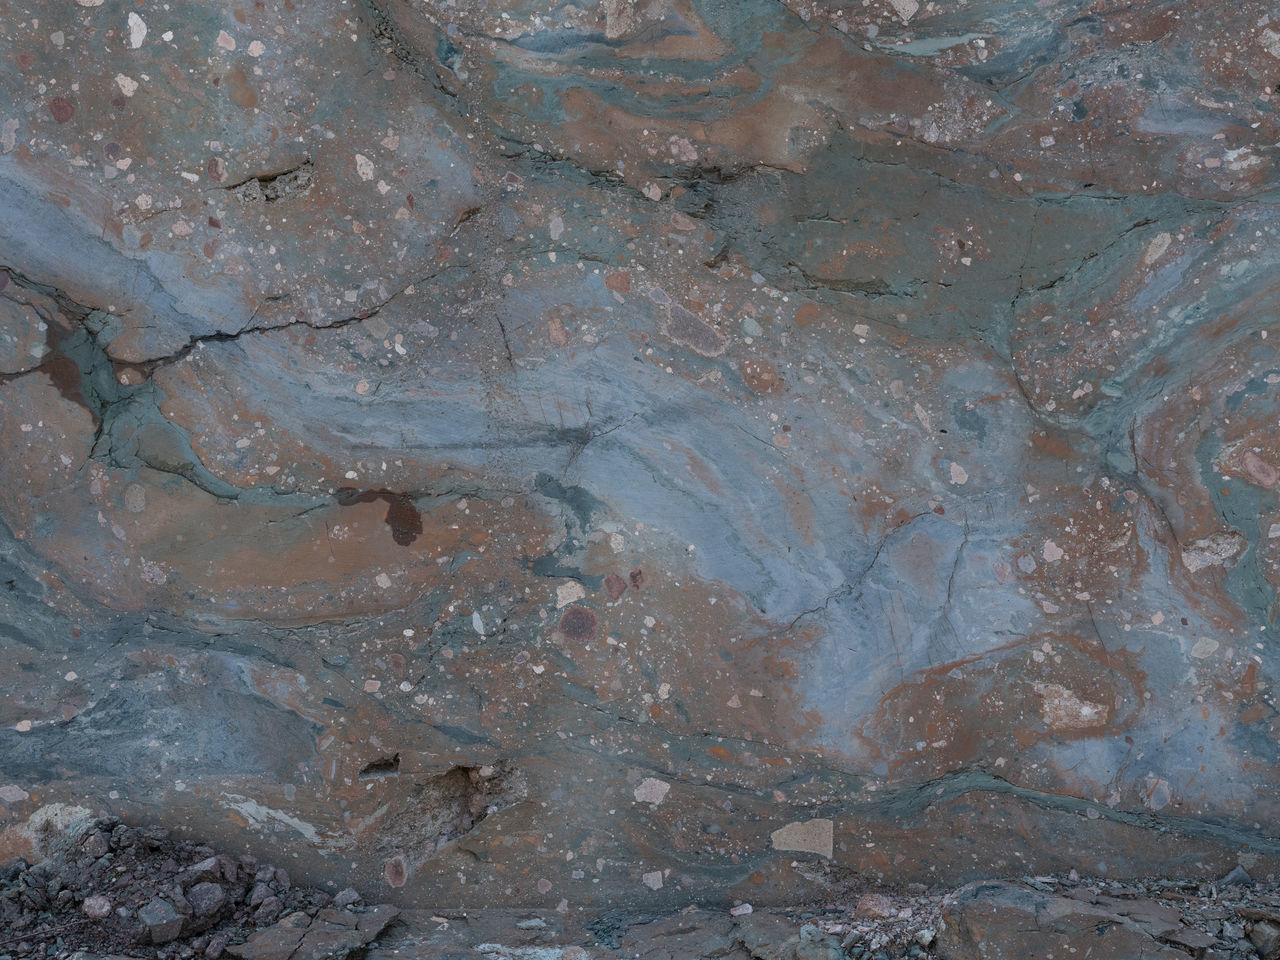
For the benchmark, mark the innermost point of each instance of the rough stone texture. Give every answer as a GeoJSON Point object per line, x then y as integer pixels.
{"type": "Point", "coordinates": [331, 933]}
{"type": "Point", "coordinates": [161, 920]}
{"type": "Point", "coordinates": [1042, 916]}
{"type": "Point", "coordinates": [206, 899]}
{"type": "Point", "coordinates": [997, 921]}
{"type": "Point", "coordinates": [427, 423]}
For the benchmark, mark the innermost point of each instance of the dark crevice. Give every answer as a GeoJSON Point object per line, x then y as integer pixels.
{"type": "Point", "coordinates": [518, 149]}
{"type": "Point", "coordinates": [441, 810]}
{"type": "Point", "coordinates": [271, 187]}
{"type": "Point", "coordinates": [870, 287]}
{"type": "Point", "coordinates": [250, 327]}
{"type": "Point", "coordinates": [381, 768]}
{"type": "Point", "coordinates": [852, 584]}
{"type": "Point", "coordinates": [388, 34]}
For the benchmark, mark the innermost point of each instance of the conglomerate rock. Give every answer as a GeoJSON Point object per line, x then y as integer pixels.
{"type": "Point", "coordinates": [625, 453]}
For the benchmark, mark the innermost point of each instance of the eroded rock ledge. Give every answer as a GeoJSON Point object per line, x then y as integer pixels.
{"type": "Point", "coordinates": [105, 889]}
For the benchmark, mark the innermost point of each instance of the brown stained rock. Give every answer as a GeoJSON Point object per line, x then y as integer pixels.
{"type": "Point", "coordinates": [615, 586]}
{"type": "Point", "coordinates": [240, 89]}
{"type": "Point", "coordinates": [761, 376]}
{"type": "Point", "coordinates": [689, 330]}
{"type": "Point", "coordinates": [942, 423]}
{"type": "Point", "coordinates": [61, 109]}
{"type": "Point", "coordinates": [877, 906]}
{"type": "Point", "coordinates": [1259, 471]}
{"type": "Point", "coordinates": [403, 518]}
{"type": "Point", "coordinates": [579, 625]}
{"type": "Point", "coordinates": [557, 335]}
{"type": "Point", "coordinates": [396, 872]}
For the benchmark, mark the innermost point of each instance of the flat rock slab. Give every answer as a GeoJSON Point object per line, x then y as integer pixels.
{"type": "Point", "coordinates": [331, 935]}
{"type": "Point", "coordinates": [1005, 921]}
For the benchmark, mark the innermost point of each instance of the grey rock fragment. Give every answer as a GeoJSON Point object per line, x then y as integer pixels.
{"type": "Point", "coordinates": [1265, 937]}
{"type": "Point", "coordinates": [97, 907]}
{"type": "Point", "coordinates": [1238, 877]}
{"type": "Point", "coordinates": [97, 844]}
{"type": "Point", "coordinates": [268, 911]}
{"type": "Point", "coordinates": [161, 920]}
{"type": "Point", "coordinates": [333, 934]}
{"type": "Point", "coordinates": [346, 898]}
{"type": "Point", "coordinates": [206, 870]}
{"type": "Point", "coordinates": [207, 899]}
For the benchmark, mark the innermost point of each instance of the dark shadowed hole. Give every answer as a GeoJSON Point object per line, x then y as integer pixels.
{"type": "Point", "coordinates": [384, 767]}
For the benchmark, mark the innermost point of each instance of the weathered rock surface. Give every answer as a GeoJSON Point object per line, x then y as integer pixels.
{"type": "Point", "coordinates": [51, 909]}
{"type": "Point", "coordinates": [622, 453]}
{"type": "Point", "coordinates": [1004, 921]}
{"type": "Point", "coordinates": [329, 934]}
{"type": "Point", "coordinates": [110, 888]}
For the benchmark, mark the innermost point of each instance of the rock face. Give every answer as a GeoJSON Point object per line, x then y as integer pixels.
{"type": "Point", "coordinates": [427, 424]}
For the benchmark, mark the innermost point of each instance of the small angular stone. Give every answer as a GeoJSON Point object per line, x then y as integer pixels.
{"type": "Point", "coordinates": [206, 870]}
{"type": "Point", "coordinates": [268, 911]}
{"type": "Point", "coordinates": [346, 898]}
{"type": "Point", "coordinates": [97, 907]}
{"type": "Point", "coordinates": [207, 899]}
{"type": "Point", "coordinates": [162, 922]}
